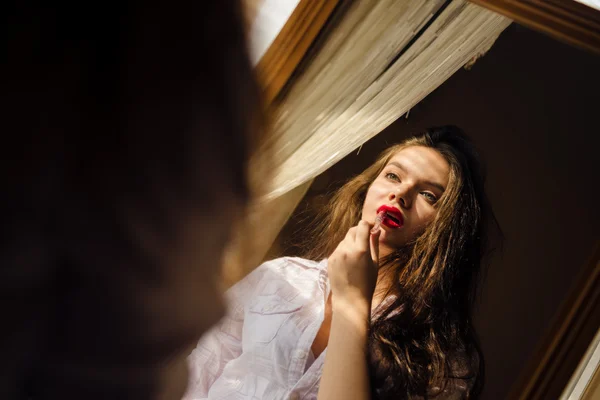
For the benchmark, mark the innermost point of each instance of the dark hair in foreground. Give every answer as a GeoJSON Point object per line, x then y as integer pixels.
{"type": "Point", "coordinates": [118, 118]}
{"type": "Point", "coordinates": [424, 344]}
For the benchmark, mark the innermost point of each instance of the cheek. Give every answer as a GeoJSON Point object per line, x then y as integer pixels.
{"type": "Point", "coordinates": [425, 216]}
{"type": "Point", "coordinates": [376, 193]}
{"type": "Point", "coordinates": [373, 200]}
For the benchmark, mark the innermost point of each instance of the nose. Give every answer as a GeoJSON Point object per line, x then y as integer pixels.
{"type": "Point", "coordinates": [401, 196]}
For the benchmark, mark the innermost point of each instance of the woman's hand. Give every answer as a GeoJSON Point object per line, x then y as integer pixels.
{"type": "Point", "coordinates": [353, 267]}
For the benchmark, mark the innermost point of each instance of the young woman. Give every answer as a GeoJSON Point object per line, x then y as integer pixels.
{"type": "Point", "coordinates": [384, 311]}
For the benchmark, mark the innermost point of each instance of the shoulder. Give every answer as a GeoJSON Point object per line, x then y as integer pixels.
{"type": "Point", "coordinates": [289, 275]}
{"type": "Point", "coordinates": [290, 269]}
{"type": "Point", "coordinates": [289, 265]}
{"type": "Point", "coordinates": [277, 272]}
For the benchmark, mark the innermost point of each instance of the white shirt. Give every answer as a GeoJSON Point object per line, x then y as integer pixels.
{"type": "Point", "coordinates": [262, 348]}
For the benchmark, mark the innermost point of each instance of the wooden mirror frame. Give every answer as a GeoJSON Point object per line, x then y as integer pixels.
{"type": "Point", "coordinates": [557, 356]}
{"type": "Point", "coordinates": [291, 44]}
{"type": "Point", "coordinates": [549, 370]}
{"type": "Point", "coordinates": [565, 20]}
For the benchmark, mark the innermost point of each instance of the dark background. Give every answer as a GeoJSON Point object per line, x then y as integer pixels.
{"type": "Point", "coordinates": [531, 105]}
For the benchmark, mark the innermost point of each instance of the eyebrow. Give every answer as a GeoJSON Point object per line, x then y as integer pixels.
{"type": "Point", "coordinates": [429, 183]}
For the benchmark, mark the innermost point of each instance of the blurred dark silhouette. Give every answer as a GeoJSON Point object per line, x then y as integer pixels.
{"type": "Point", "coordinates": [127, 127]}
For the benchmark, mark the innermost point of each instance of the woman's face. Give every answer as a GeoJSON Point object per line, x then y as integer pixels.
{"type": "Point", "coordinates": [406, 190]}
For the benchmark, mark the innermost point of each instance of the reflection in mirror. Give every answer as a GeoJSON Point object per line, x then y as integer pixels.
{"type": "Point", "coordinates": [407, 288]}
{"type": "Point", "coordinates": [407, 295]}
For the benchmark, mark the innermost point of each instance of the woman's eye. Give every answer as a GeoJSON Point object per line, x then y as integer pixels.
{"type": "Point", "coordinates": [392, 176]}
{"type": "Point", "coordinates": [430, 197]}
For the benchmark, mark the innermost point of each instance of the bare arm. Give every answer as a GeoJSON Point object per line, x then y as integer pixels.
{"type": "Point", "coordinates": [353, 272]}
{"type": "Point", "coordinates": [345, 374]}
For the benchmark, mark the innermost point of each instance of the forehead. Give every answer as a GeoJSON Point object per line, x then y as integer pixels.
{"type": "Point", "coordinates": [422, 163]}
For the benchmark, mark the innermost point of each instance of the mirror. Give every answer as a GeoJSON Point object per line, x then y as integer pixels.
{"type": "Point", "coordinates": [529, 104]}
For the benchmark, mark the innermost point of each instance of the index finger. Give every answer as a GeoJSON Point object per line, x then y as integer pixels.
{"type": "Point", "coordinates": [363, 235]}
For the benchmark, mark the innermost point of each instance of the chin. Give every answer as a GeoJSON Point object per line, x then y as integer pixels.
{"type": "Point", "coordinates": [393, 244]}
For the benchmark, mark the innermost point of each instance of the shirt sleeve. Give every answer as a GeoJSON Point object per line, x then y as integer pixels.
{"type": "Point", "coordinates": [223, 342]}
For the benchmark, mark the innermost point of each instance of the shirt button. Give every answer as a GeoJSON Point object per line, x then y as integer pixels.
{"type": "Point", "coordinates": [294, 396]}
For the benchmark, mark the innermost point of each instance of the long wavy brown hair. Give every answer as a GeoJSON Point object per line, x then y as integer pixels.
{"type": "Point", "coordinates": [422, 341]}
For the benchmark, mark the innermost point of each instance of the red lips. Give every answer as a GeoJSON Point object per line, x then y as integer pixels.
{"type": "Point", "coordinates": [393, 217]}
